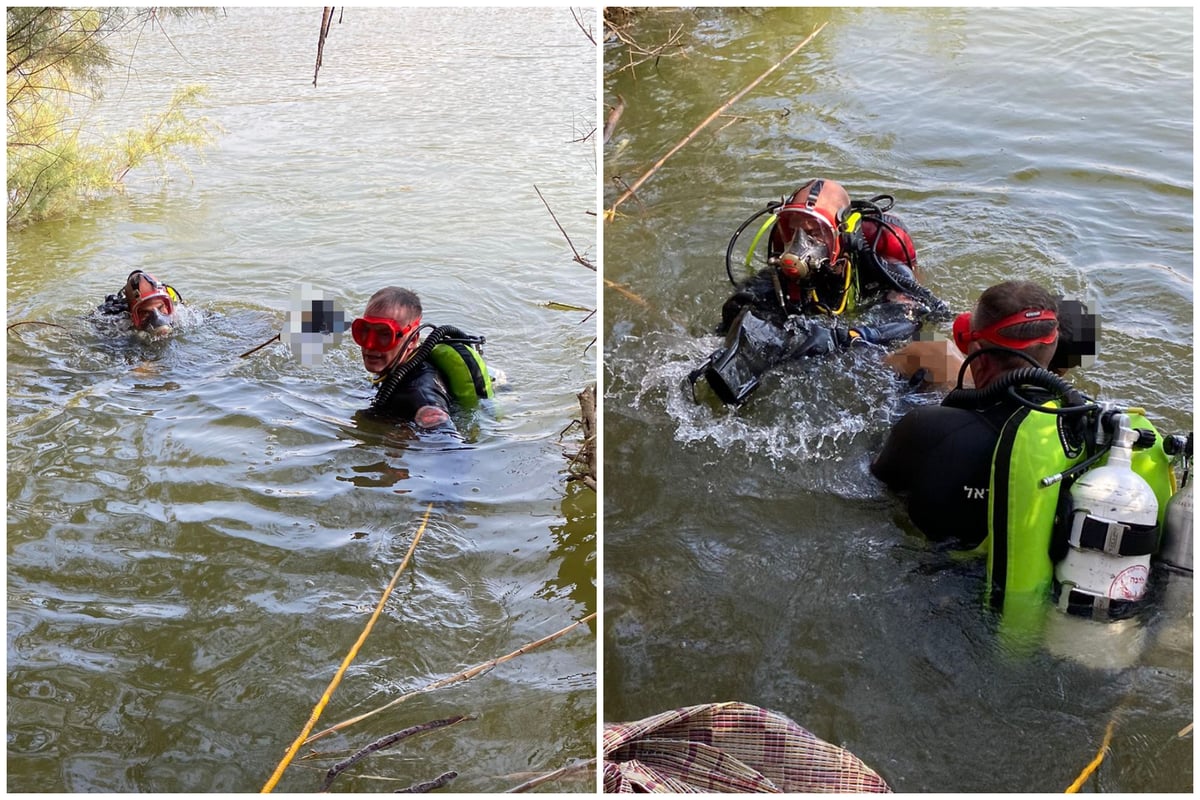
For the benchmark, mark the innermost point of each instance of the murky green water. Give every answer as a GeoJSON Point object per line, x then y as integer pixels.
{"type": "Point", "coordinates": [195, 540]}
{"type": "Point", "coordinates": [751, 556]}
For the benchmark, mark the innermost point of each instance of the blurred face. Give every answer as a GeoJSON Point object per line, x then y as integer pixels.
{"type": "Point", "coordinates": [384, 345]}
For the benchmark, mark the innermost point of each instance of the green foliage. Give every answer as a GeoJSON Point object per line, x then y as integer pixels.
{"type": "Point", "coordinates": [57, 59]}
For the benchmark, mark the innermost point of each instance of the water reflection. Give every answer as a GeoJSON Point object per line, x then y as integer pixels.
{"type": "Point", "coordinates": [575, 550]}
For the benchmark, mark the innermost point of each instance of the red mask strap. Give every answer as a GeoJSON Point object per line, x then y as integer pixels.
{"type": "Point", "coordinates": [963, 335]}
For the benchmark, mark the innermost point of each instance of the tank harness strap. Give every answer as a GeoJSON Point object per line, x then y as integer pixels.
{"type": "Point", "coordinates": [1092, 606]}
{"type": "Point", "coordinates": [478, 378]}
{"type": "Point", "coordinates": [1114, 538]}
{"type": "Point", "coordinates": [998, 555]}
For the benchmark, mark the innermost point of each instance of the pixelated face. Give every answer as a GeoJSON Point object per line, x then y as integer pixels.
{"type": "Point", "coordinates": [314, 324]}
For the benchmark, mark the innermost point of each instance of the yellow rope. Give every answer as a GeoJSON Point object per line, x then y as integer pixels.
{"type": "Point", "coordinates": [1090, 768]}
{"type": "Point", "coordinates": [316, 712]}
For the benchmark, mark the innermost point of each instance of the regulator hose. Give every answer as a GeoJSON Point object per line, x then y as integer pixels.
{"type": "Point", "coordinates": [907, 284]}
{"type": "Point", "coordinates": [1008, 383]}
{"type": "Point", "coordinates": [774, 204]}
{"type": "Point", "coordinates": [394, 378]}
{"type": "Point", "coordinates": [873, 209]}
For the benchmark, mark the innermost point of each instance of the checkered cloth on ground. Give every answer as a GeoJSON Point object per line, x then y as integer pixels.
{"type": "Point", "coordinates": [728, 747]}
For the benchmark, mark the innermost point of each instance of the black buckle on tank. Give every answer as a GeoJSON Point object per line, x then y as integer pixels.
{"type": "Point", "coordinates": [1116, 538]}
{"type": "Point", "coordinates": [1093, 606]}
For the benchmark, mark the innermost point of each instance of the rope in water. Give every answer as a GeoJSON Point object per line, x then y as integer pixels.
{"type": "Point", "coordinates": [337, 678]}
{"type": "Point", "coordinates": [1095, 763]}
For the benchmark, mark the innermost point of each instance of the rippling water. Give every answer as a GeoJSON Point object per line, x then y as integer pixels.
{"type": "Point", "coordinates": [195, 540]}
{"type": "Point", "coordinates": [752, 547]}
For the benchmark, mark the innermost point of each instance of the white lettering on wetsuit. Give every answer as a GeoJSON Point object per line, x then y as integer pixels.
{"type": "Point", "coordinates": [975, 494]}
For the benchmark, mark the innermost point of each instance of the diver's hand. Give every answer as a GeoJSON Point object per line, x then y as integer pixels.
{"type": "Point", "coordinates": [429, 417]}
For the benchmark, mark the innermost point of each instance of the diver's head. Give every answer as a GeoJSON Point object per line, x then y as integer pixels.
{"type": "Point", "coordinates": [1013, 315]}
{"type": "Point", "coordinates": [806, 233]}
{"type": "Point", "coordinates": [151, 303]}
{"type": "Point", "coordinates": [389, 329]}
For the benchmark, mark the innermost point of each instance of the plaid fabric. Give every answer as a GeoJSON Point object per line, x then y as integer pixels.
{"type": "Point", "coordinates": [728, 747]}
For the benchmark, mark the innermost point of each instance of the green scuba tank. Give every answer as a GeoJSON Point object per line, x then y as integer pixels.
{"type": "Point", "coordinates": [467, 377]}
{"type": "Point", "coordinates": [1022, 508]}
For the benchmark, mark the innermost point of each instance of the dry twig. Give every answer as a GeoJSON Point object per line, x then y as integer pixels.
{"type": "Point", "coordinates": [570, 769]}
{"type": "Point", "coordinates": [465, 675]}
{"type": "Point", "coordinates": [578, 258]}
{"type": "Point", "coordinates": [579, 22]}
{"type": "Point", "coordinates": [637, 53]}
{"type": "Point", "coordinates": [628, 192]}
{"type": "Point", "coordinates": [337, 677]}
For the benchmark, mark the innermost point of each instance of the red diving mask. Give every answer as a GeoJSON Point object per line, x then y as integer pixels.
{"type": "Point", "coordinates": [380, 333]}
{"type": "Point", "coordinates": [963, 335]}
{"type": "Point", "coordinates": [811, 241]}
{"type": "Point", "coordinates": [151, 303]}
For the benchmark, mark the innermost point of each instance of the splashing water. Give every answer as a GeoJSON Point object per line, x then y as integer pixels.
{"type": "Point", "coordinates": [806, 412]}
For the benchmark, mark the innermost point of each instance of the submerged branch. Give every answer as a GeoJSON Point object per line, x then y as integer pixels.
{"type": "Point", "coordinates": [387, 741]}
{"type": "Point", "coordinates": [615, 114]}
{"type": "Point", "coordinates": [429, 786]}
{"type": "Point", "coordinates": [465, 675]}
{"type": "Point", "coordinates": [561, 772]}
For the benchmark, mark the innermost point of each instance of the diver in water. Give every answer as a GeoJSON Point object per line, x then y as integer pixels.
{"type": "Point", "coordinates": [941, 456]}
{"type": "Point", "coordinates": [149, 303]}
{"type": "Point", "coordinates": [389, 333]}
{"type": "Point", "coordinates": [418, 378]}
{"type": "Point", "coordinates": [935, 363]}
{"type": "Point", "coordinates": [826, 256]}
{"type": "Point", "coordinates": [1069, 497]}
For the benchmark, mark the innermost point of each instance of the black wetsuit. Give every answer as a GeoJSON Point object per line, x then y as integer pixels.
{"type": "Point", "coordinates": [941, 457]}
{"type": "Point", "coordinates": [424, 386]}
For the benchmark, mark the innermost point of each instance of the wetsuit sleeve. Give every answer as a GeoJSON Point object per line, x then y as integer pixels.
{"type": "Point", "coordinates": [424, 387]}
{"type": "Point", "coordinates": [758, 293]}
{"type": "Point", "coordinates": [886, 333]}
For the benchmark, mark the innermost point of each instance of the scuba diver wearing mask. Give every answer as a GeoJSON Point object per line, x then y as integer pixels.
{"type": "Point", "coordinates": [416, 379]}
{"type": "Point", "coordinates": [149, 303]}
{"type": "Point", "coordinates": [1067, 497]}
{"type": "Point", "coordinates": [826, 256]}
